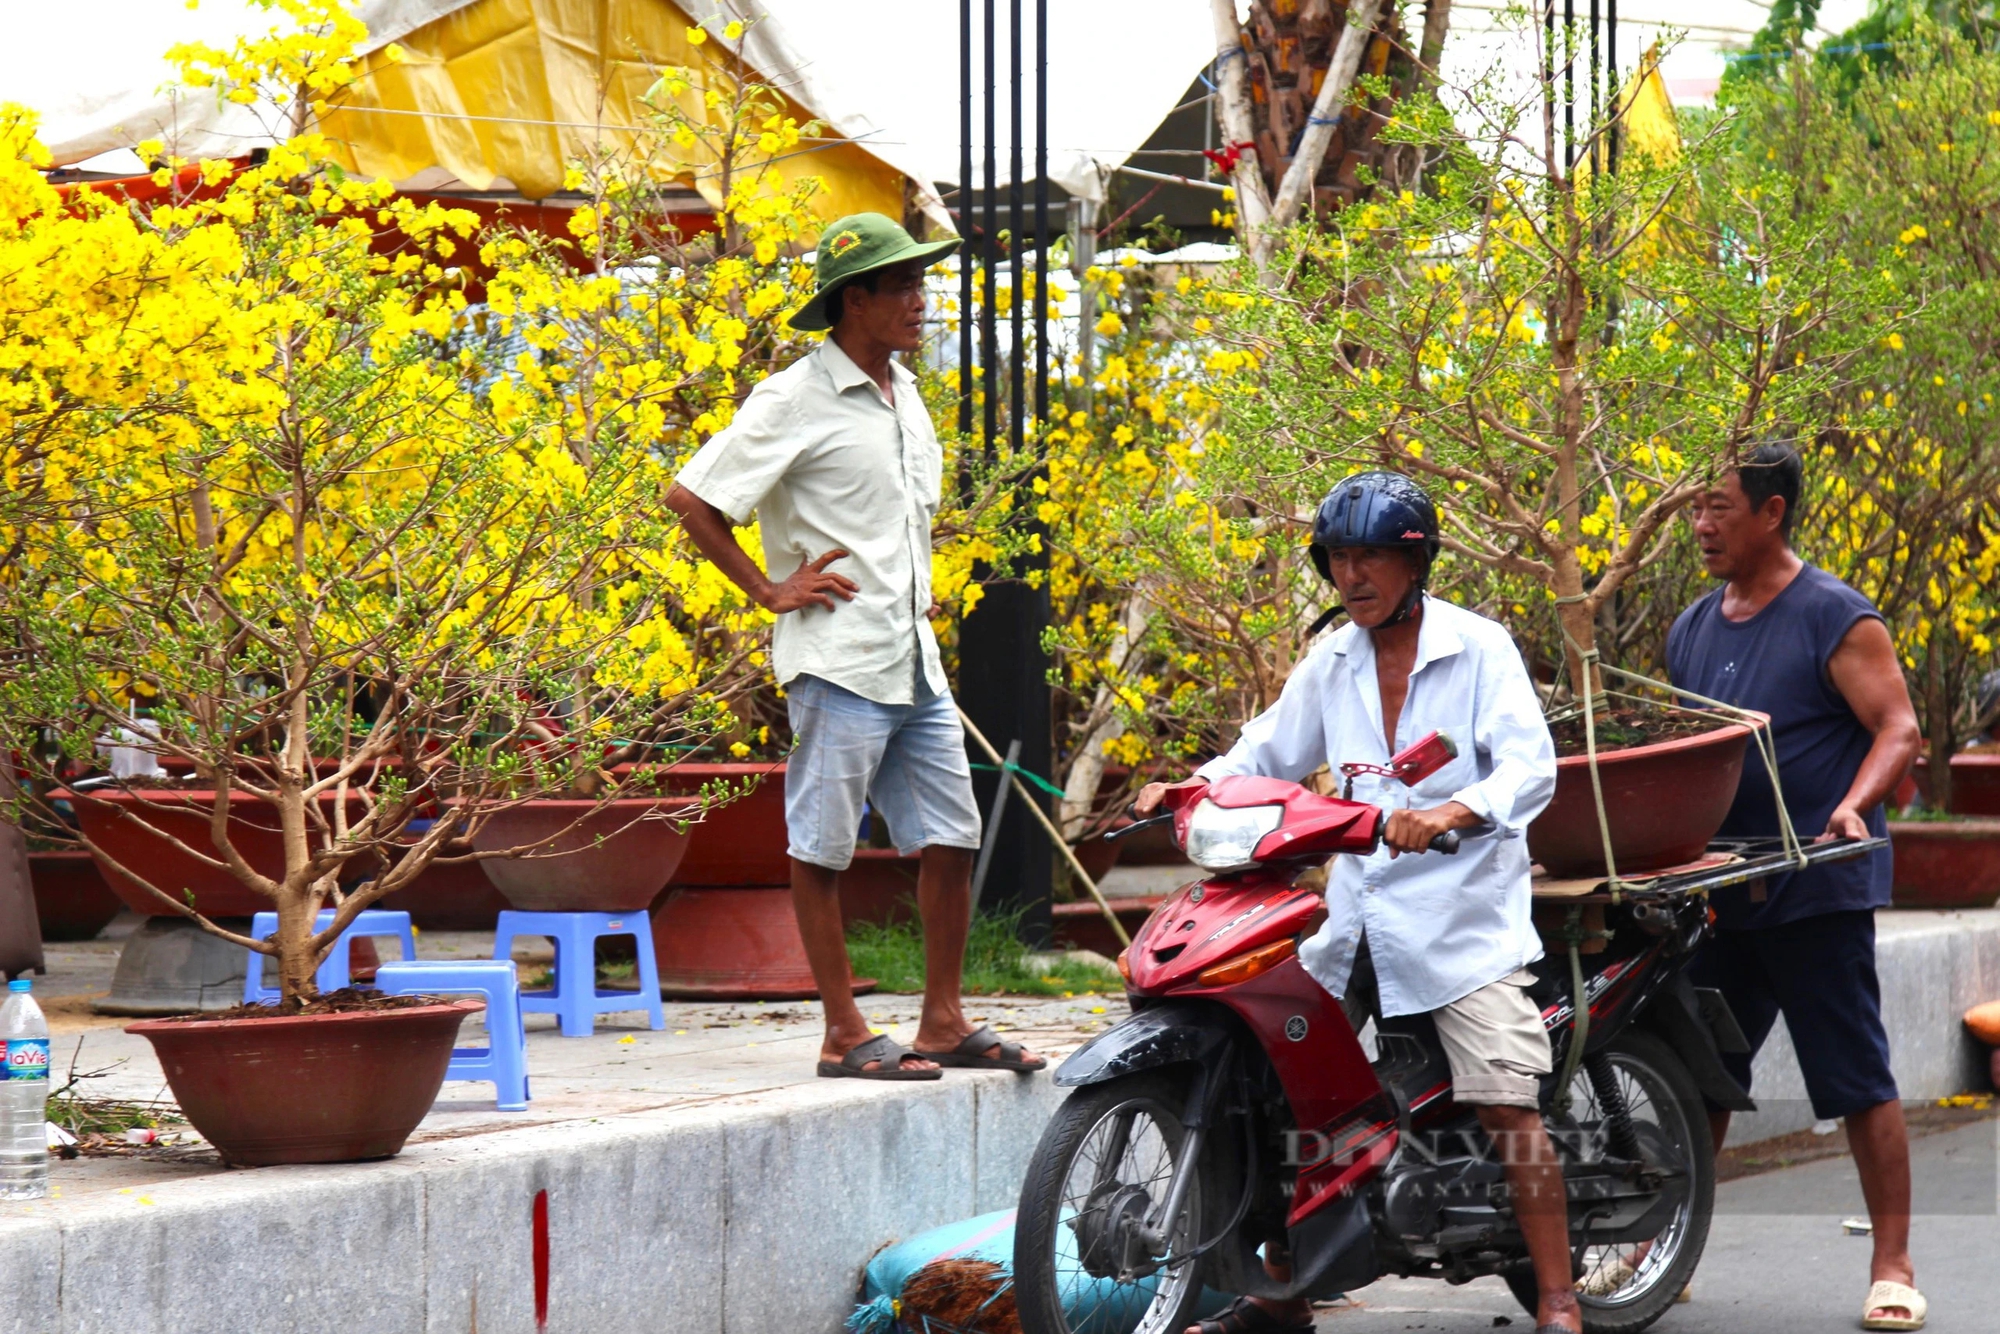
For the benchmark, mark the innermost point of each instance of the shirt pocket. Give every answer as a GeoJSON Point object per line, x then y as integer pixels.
{"type": "Point", "coordinates": [1458, 773]}
{"type": "Point", "coordinates": [925, 469]}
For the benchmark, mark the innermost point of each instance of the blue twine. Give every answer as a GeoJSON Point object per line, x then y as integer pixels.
{"type": "Point", "coordinates": [874, 1317]}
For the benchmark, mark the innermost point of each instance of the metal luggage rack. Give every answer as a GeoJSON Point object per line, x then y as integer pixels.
{"type": "Point", "coordinates": [1747, 859]}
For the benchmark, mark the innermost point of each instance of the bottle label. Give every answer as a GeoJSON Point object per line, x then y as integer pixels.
{"type": "Point", "coordinates": [27, 1058]}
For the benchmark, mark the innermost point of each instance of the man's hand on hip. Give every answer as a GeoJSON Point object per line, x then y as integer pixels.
{"type": "Point", "coordinates": [1412, 831]}
{"type": "Point", "coordinates": [809, 585]}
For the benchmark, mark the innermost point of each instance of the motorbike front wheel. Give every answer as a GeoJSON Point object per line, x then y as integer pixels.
{"type": "Point", "coordinates": [1087, 1252]}
{"type": "Point", "coordinates": [1625, 1288]}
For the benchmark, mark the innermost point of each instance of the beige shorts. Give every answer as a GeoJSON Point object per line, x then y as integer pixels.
{"type": "Point", "coordinates": [1496, 1044]}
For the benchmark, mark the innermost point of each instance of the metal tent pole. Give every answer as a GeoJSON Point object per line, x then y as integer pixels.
{"type": "Point", "coordinates": [989, 334]}
{"type": "Point", "coordinates": [1042, 218]}
{"type": "Point", "coordinates": [966, 231]}
{"type": "Point", "coordinates": [1017, 380]}
{"type": "Point", "coordinates": [1002, 667]}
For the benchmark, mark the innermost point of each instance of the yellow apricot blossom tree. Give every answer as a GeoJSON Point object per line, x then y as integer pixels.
{"type": "Point", "coordinates": [302, 525]}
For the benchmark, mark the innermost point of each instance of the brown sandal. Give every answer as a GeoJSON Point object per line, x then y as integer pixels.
{"type": "Point", "coordinates": [968, 1055]}
{"type": "Point", "coordinates": [889, 1055]}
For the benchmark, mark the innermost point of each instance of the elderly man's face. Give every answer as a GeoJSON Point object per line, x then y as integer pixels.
{"type": "Point", "coordinates": [893, 313]}
{"type": "Point", "coordinates": [1373, 581]}
{"type": "Point", "coordinates": [1730, 529]}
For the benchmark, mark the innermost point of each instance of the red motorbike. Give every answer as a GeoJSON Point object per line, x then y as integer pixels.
{"type": "Point", "coordinates": [1240, 1106]}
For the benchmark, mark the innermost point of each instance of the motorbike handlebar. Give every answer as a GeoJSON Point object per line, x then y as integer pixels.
{"type": "Point", "coordinates": [1164, 817]}
{"type": "Point", "coordinates": [1447, 842]}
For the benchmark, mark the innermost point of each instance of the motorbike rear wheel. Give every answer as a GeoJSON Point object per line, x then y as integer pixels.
{"type": "Point", "coordinates": [1625, 1288]}
{"type": "Point", "coordinates": [1103, 1166]}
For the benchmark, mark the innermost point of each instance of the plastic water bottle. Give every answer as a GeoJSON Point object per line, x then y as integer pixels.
{"type": "Point", "coordinates": [24, 1096]}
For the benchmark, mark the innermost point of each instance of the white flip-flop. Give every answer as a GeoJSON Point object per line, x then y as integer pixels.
{"type": "Point", "coordinates": [1887, 1292]}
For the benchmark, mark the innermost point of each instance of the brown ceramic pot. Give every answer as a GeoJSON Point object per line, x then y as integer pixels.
{"type": "Point", "coordinates": [878, 886]}
{"type": "Point", "coordinates": [617, 858]}
{"type": "Point", "coordinates": [135, 828]}
{"type": "Point", "coordinates": [732, 943]}
{"type": "Point", "coordinates": [1975, 783]}
{"type": "Point", "coordinates": [744, 842]}
{"type": "Point", "coordinates": [1946, 863]}
{"type": "Point", "coordinates": [454, 897]}
{"type": "Point", "coordinates": [1081, 926]}
{"type": "Point", "coordinates": [71, 896]}
{"type": "Point", "coordinates": [1663, 803]}
{"type": "Point", "coordinates": [319, 1088]}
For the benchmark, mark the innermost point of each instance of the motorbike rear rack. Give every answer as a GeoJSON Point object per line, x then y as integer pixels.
{"type": "Point", "coordinates": [1727, 862]}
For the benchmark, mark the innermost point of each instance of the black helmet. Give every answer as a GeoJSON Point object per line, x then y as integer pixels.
{"type": "Point", "coordinates": [1376, 509]}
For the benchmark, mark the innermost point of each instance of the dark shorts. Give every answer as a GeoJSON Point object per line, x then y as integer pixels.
{"type": "Point", "coordinates": [1819, 972]}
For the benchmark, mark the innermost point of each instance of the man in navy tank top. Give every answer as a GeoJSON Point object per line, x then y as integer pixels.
{"type": "Point", "coordinates": [1788, 639]}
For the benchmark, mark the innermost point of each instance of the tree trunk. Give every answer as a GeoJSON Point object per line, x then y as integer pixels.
{"type": "Point", "coordinates": [1939, 708]}
{"type": "Point", "coordinates": [1232, 67]}
{"type": "Point", "coordinates": [1086, 771]}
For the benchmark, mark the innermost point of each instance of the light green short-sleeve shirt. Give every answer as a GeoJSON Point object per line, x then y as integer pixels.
{"type": "Point", "coordinates": [825, 460]}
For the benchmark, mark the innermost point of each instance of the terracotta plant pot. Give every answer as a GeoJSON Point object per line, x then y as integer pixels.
{"type": "Point", "coordinates": [134, 829]}
{"type": "Point", "coordinates": [617, 859]}
{"type": "Point", "coordinates": [322, 1088]}
{"type": "Point", "coordinates": [455, 897]}
{"type": "Point", "coordinates": [878, 886]}
{"type": "Point", "coordinates": [732, 943]}
{"type": "Point", "coordinates": [71, 896]}
{"type": "Point", "coordinates": [1663, 803]}
{"type": "Point", "coordinates": [1946, 863]}
{"type": "Point", "coordinates": [1098, 856]}
{"type": "Point", "coordinates": [744, 842]}
{"type": "Point", "coordinates": [1975, 783]}
{"type": "Point", "coordinates": [1081, 926]}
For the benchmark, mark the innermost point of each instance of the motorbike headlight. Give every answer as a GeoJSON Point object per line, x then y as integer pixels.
{"type": "Point", "coordinates": [1225, 838]}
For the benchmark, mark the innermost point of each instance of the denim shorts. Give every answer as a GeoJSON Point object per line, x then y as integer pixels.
{"type": "Point", "coordinates": [906, 760]}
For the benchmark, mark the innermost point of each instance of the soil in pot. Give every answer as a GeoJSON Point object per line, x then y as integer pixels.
{"type": "Point", "coordinates": [339, 1085]}
{"type": "Point", "coordinates": [595, 857]}
{"type": "Point", "coordinates": [1663, 798]}
{"type": "Point", "coordinates": [1945, 863]}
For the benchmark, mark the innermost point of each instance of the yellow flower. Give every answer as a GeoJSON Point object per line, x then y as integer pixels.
{"type": "Point", "coordinates": [696, 36]}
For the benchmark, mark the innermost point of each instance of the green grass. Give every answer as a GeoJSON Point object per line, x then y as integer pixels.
{"type": "Point", "coordinates": [894, 956]}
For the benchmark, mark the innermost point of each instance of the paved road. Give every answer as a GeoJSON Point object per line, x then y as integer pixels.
{"type": "Point", "coordinates": [1777, 1260]}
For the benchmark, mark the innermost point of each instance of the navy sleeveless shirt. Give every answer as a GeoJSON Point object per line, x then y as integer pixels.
{"type": "Point", "coordinates": [1775, 662]}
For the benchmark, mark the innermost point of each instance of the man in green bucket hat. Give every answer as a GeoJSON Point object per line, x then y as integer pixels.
{"type": "Point", "coordinates": [836, 457]}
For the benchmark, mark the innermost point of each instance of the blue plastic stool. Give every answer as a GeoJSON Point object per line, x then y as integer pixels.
{"type": "Point", "coordinates": [504, 1060]}
{"type": "Point", "coordinates": [333, 971]}
{"type": "Point", "coordinates": [576, 999]}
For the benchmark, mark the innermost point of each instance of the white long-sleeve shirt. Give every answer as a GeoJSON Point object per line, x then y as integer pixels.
{"type": "Point", "coordinates": [1438, 927]}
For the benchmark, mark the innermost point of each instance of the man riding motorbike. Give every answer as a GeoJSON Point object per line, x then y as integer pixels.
{"type": "Point", "coordinates": [1451, 937]}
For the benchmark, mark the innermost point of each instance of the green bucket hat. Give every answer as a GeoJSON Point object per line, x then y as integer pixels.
{"type": "Point", "coordinates": [861, 243]}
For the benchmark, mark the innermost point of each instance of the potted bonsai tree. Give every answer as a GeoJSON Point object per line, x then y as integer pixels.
{"type": "Point", "coordinates": [1566, 339]}
{"type": "Point", "coordinates": [369, 612]}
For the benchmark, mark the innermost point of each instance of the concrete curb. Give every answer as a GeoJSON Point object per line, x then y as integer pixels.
{"type": "Point", "coordinates": [750, 1219]}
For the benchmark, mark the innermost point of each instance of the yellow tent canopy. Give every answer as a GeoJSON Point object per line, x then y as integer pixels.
{"type": "Point", "coordinates": [501, 96]}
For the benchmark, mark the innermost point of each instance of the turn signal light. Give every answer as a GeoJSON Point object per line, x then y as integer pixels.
{"type": "Point", "coordinates": [1243, 967]}
{"type": "Point", "coordinates": [1125, 965]}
